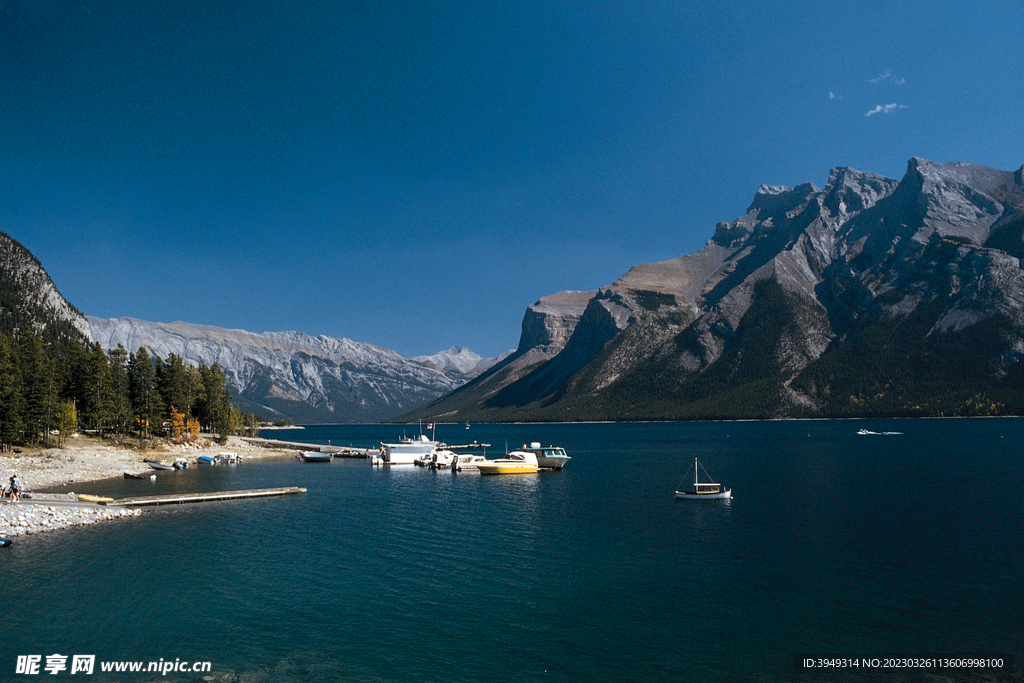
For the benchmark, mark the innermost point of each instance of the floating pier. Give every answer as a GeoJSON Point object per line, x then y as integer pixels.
{"type": "Point", "coordinates": [179, 498]}
{"type": "Point", "coordinates": [290, 445]}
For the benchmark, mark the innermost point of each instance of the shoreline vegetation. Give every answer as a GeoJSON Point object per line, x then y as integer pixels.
{"type": "Point", "coordinates": [84, 459]}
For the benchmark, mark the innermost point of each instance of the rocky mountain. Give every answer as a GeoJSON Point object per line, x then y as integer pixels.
{"type": "Point", "coordinates": [869, 296]}
{"type": "Point", "coordinates": [29, 301]}
{"type": "Point", "coordinates": [290, 374]}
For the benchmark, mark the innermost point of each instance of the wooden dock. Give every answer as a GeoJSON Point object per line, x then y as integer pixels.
{"type": "Point", "coordinates": [337, 451]}
{"type": "Point", "coordinates": [179, 498]}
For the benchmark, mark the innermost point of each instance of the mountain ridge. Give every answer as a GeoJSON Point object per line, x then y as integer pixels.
{"type": "Point", "coordinates": [762, 321]}
{"type": "Point", "coordinates": [291, 374]}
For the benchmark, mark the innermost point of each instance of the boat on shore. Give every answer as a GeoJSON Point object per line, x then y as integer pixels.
{"type": "Point", "coordinates": [548, 457]}
{"type": "Point", "coordinates": [157, 465]}
{"type": "Point", "coordinates": [516, 462]}
{"type": "Point", "coordinates": [704, 490]}
{"type": "Point", "coordinates": [313, 456]}
{"type": "Point", "coordinates": [207, 460]}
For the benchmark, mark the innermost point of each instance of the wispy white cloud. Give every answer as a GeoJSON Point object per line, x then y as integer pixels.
{"type": "Point", "coordinates": [886, 109]}
{"type": "Point", "coordinates": [888, 76]}
{"type": "Point", "coordinates": [834, 96]}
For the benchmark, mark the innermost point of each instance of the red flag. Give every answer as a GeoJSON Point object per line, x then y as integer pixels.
{"type": "Point", "coordinates": [430, 426]}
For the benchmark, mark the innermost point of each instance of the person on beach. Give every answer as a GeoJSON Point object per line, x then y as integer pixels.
{"type": "Point", "coordinates": [15, 488]}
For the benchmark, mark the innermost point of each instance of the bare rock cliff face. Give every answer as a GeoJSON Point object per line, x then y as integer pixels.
{"type": "Point", "coordinates": [29, 301]}
{"type": "Point", "coordinates": [780, 309]}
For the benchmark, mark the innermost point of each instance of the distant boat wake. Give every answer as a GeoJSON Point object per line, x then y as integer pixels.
{"type": "Point", "coordinates": [863, 432]}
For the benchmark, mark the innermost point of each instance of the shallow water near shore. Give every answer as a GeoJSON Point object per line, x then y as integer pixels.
{"type": "Point", "coordinates": [836, 544]}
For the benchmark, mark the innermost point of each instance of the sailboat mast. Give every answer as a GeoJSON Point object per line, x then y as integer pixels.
{"type": "Point", "coordinates": [695, 478]}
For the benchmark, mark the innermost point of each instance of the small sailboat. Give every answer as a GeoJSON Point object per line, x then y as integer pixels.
{"type": "Point", "coordinates": [704, 490]}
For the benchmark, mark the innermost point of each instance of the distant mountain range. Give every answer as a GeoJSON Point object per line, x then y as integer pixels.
{"type": "Point", "coordinates": [869, 296]}
{"type": "Point", "coordinates": [295, 376]}
{"type": "Point", "coordinates": [278, 375]}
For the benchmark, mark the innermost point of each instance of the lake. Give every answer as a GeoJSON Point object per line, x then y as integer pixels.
{"type": "Point", "coordinates": [836, 545]}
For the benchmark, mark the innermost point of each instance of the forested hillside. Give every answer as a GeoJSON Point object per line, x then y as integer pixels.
{"type": "Point", "coordinates": [53, 381]}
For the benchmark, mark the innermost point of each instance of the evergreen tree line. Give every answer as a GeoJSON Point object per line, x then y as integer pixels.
{"type": "Point", "coordinates": [49, 388]}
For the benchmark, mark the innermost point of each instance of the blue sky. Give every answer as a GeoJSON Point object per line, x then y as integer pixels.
{"type": "Point", "coordinates": [415, 174]}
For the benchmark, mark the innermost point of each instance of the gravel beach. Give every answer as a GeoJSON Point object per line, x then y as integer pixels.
{"type": "Point", "coordinates": [84, 459]}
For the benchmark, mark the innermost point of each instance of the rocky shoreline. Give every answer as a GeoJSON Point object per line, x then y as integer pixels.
{"type": "Point", "coordinates": [84, 459]}
{"type": "Point", "coordinates": [38, 516]}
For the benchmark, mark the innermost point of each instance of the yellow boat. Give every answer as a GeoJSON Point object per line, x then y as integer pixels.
{"type": "Point", "coordinates": [516, 462]}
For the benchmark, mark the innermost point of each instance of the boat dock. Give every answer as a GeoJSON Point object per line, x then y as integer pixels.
{"type": "Point", "coordinates": [179, 498]}
{"type": "Point", "coordinates": [336, 451]}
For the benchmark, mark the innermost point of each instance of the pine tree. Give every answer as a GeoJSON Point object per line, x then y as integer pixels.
{"type": "Point", "coordinates": [173, 381]}
{"type": "Point", "coordinates": [121, 415]}
{"type": "Point", "coordinates": [38, 389]}
{"type": "Point", "coordinates": [11, 425]}
{"type": "Point", "coordinates": [141, 390]}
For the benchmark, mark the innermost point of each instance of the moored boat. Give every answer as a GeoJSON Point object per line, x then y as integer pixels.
{"type": "Point", "coordinates": [444, 459]}
{"type": "Point", "coordinates": [704, 490]}
{"type": "Point", "coordinates": [467, 461]}
{"type": "Point", "coordinates": [4, 542]}
{"type": "Point", "coordinates": [516, 462]}
{"type": "Point", "coordinates": [313, 456]}
{"type": "Point", "coordinates": [408, 451]}
{"type": "Point", "coordinates": [207, 460]}
{"type": "Point", "coordinates": [548, 457]}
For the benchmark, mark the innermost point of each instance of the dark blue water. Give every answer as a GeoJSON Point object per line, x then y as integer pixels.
{"type": "Point", "coordinates": [835, 544]}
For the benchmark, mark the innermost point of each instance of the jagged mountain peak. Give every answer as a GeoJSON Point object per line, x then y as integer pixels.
{"type": "Point", "coordinates": [816, 301]}
{"type": "Point", "coordinates": [778, 198]}
{"type": "Point", "coordinates": [849, 190]}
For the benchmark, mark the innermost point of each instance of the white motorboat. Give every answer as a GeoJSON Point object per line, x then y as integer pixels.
{"type": "Point", "coordinates": [408, 451]}
{"type": "Point", "coordinates": [704, 490]}
{"type": "Point", "coordinates": [867, 432]}
{"type": "Point", "coordinates": [516, 462]}
{"type": "Point", "coordinates": [445, 459]}
{"type": "Point", "coordinates": [440, 459]}
{"type": "Point", "coordinates": [548, 457]}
